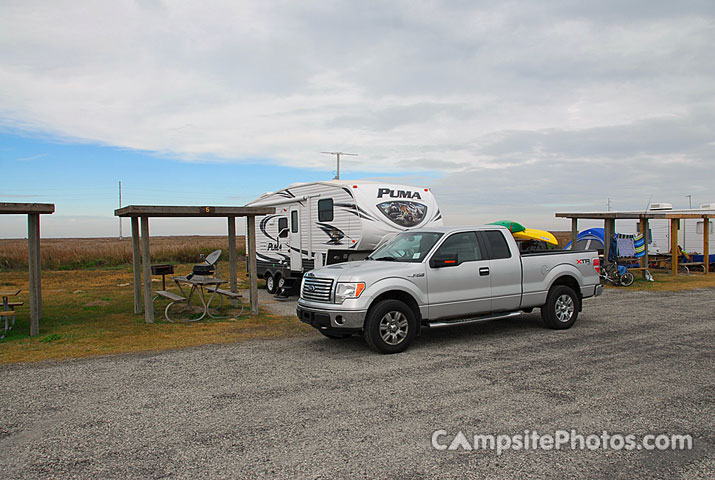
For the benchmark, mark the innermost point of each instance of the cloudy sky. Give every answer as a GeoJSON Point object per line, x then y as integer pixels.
{"type": "Point", "coordinates": [505, 109]}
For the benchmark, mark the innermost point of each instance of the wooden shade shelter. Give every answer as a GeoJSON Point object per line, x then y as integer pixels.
{"type": "Point", "coordinates": [142, 261]}
{"type": "Point", "coordinates": [33, 212]}
{"type": "Point", "coordinates": [674, 216]}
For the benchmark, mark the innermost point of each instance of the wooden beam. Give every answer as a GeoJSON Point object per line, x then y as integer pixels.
{"type": "Point", "coordinates": [574, 233]}
{"type": "Point", "coordinates": [28, 208]}
{"type": "Point", "coordinates": [706, 244]}
{"type": "Point", "coordinates": [251, 247]}
{"type": "Point", "coordinates": [33, 235]}
{"type": "Point", "coordinates": [137, 266]}
{"type": "Point", "coordinates": [190, 211]}
{"type": "Point", "coordinates": [674, 245]}
{"type": "Point", "coordinates": [665, 214]}
{"type": "Point", "coordinates": [232, 257]}
{"type": "Point", "coordinates": [146, 271]}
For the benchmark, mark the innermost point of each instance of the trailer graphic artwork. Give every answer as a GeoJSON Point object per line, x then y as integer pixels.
{"type": "Point", "coordinates": [403, 213]}
{"type": "Point", "coordinates": [324, 222]}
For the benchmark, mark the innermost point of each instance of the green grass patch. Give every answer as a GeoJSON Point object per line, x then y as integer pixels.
{"type": "Point", "coordinates": [100, 319]}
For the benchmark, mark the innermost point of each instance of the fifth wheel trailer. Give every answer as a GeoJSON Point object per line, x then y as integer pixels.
{"type": "Point", "coordinates": [326, 222]}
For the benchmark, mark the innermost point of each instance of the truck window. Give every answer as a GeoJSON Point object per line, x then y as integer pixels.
{"type": "Point", "coordinates": [325, 210]}
{"type": "Point", "coordinates": [497, 244]}
{"type": "Point", "coordinates": [282, 227]}
{"type": "Point", "coordinates": [464, 244]}
{"type": "Point", "coordinates": [294, 221]}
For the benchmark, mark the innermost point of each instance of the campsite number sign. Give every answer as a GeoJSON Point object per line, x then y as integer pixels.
{"type": "Point", "coordinates": [208, 210]}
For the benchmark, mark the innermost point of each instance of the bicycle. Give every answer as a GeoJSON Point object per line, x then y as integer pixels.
{"type": "Point", "coordinates": [617, 274]}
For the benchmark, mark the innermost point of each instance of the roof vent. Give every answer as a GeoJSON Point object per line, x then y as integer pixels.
{"type": "Point", "coordinates": [708, 206]}
{"type": "Point", "coordinates": [661, 206]}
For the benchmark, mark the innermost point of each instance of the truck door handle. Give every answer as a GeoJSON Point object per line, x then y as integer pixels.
{"type": "Point", "coordinates": [483, 271]}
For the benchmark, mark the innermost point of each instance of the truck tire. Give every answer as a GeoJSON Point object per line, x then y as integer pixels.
{"type": "Point", "coordinates": [561, 308]}
{"type": "Point", "coordinates": [390, 327]}
{"type": "Point", "coordinates": [271, 284]}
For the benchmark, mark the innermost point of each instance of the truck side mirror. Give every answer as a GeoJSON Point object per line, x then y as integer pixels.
{"type": "Point", "coordinates": [447, 259]}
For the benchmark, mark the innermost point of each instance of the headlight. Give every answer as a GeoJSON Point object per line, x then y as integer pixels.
{"type": "Point", "coordinates": [346, 290]}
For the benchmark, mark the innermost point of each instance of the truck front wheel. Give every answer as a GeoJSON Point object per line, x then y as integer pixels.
{"type": "Point", "coordinates": [390, 327]}
{"type": "Point", "coordinates": [561, 308]}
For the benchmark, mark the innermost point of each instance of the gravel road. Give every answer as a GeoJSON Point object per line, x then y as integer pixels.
{"type": "Point", "coordinates": [310, 407]}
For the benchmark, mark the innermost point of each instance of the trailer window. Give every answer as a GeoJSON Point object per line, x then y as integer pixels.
{"type": "Point", "coordinates": [700, 227]}
{"type": "Point", "coordinates": [497, 244]}
{"type": "Point", "coordinates": [325, 210]}
{"type": "Point", "coordinates": [282, 227]}
{"type": "Point", "coordinates": [294, 221]}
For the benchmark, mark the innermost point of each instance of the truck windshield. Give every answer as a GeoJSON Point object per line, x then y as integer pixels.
{"type": "Point", "coordinates": [406, 247]}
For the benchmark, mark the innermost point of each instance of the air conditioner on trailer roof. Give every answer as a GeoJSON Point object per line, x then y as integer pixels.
{"type": "Point", "coordinates": [707, 206]}
{"type": "Point", "coordinates": [661, 206]}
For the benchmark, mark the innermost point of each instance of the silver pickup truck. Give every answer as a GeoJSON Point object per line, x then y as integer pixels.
{"type": "Point", "coordinates": [445, 276]}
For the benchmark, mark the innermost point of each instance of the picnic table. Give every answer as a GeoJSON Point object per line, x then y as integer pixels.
{"type": "Point", "coordinates": [8, 308]}
{"type": "Point", "coordinates": [201, 286]}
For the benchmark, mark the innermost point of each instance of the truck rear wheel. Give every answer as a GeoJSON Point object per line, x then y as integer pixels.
{"type": "Point", "coordinates": [561, 308]}
{"type": "Point", "coordinates": [390, 327]}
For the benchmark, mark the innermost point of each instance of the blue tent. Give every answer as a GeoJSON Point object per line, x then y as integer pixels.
{"type": "Point", "coordinates": [591, 239]}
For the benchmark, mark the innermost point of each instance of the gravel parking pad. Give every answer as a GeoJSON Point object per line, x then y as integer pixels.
{"type": "Point", "coordinates": [310, 407]}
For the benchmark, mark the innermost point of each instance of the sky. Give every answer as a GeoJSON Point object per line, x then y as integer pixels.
{"type": "Point", "coordinates": [506, 110]}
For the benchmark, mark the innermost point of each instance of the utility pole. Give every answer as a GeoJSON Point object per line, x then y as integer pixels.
{"type": "Point", "coordinates": [337, 154]}
{"type": "Point", "coordinates": [120, 206]}
{"type": "Point", "coordinates": [608, 204]}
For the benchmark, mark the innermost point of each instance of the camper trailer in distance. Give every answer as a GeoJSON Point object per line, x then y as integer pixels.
{"type": "Point", "coordinates": [321, 223]}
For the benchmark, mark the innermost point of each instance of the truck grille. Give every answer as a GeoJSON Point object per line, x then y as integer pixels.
{"type": "Point", "coordinates": [317, 289]}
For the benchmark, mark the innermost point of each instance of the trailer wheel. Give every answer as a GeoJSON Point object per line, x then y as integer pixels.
{"type": "Point", "coordinates": [390, 326]}
{"type": "Point", "coordinates": [561, 308]}
{"type": "Point", "coordinates": [271, 286]}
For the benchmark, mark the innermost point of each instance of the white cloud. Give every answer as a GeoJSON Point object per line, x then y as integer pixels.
{"type": "Point", "coordinates": [459, 87]}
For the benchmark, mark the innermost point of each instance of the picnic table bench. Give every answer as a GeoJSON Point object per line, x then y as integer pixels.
{"type": "Point", "coordinates": [227, 293]}
{"type": "Point", "coordinates": [8, 308]}
{"type": "Point", "coordinates": [198, 284]}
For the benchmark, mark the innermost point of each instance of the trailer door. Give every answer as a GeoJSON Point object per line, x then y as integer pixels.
{"type": "Point", "coordinates": [294, 242]}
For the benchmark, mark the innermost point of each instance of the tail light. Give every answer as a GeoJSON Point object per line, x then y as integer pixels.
{"type": "Point", "coordinates": [597, 265]}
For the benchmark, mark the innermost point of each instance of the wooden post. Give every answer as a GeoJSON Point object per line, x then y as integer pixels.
{"type": "Point", "coordinates": [609, 227]}
{"type": "Point", "coordinates": [137, 265]}
{"type": "Point", "coordinates": [574, 233]}
{"type": "Point", "coordinates": [33, 247]}
{"type": "Point", "coordinates": [251, 247]}
{"type": "Point", "coordinates": [645, 231]}
{"type": "Point", "coordinates": [146, 272]}
{"type": "Point", "coordinates": [674, 245]}
{"type": "Point", "coordinates": [706, 244]}
{"type": "Point", "coordinates": [38, 272]}
{"type": "Point", "coordinates": [232, 256]}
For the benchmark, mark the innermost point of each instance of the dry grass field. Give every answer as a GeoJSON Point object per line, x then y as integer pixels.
{"type": "Point", "coordinates": [73, 253]}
